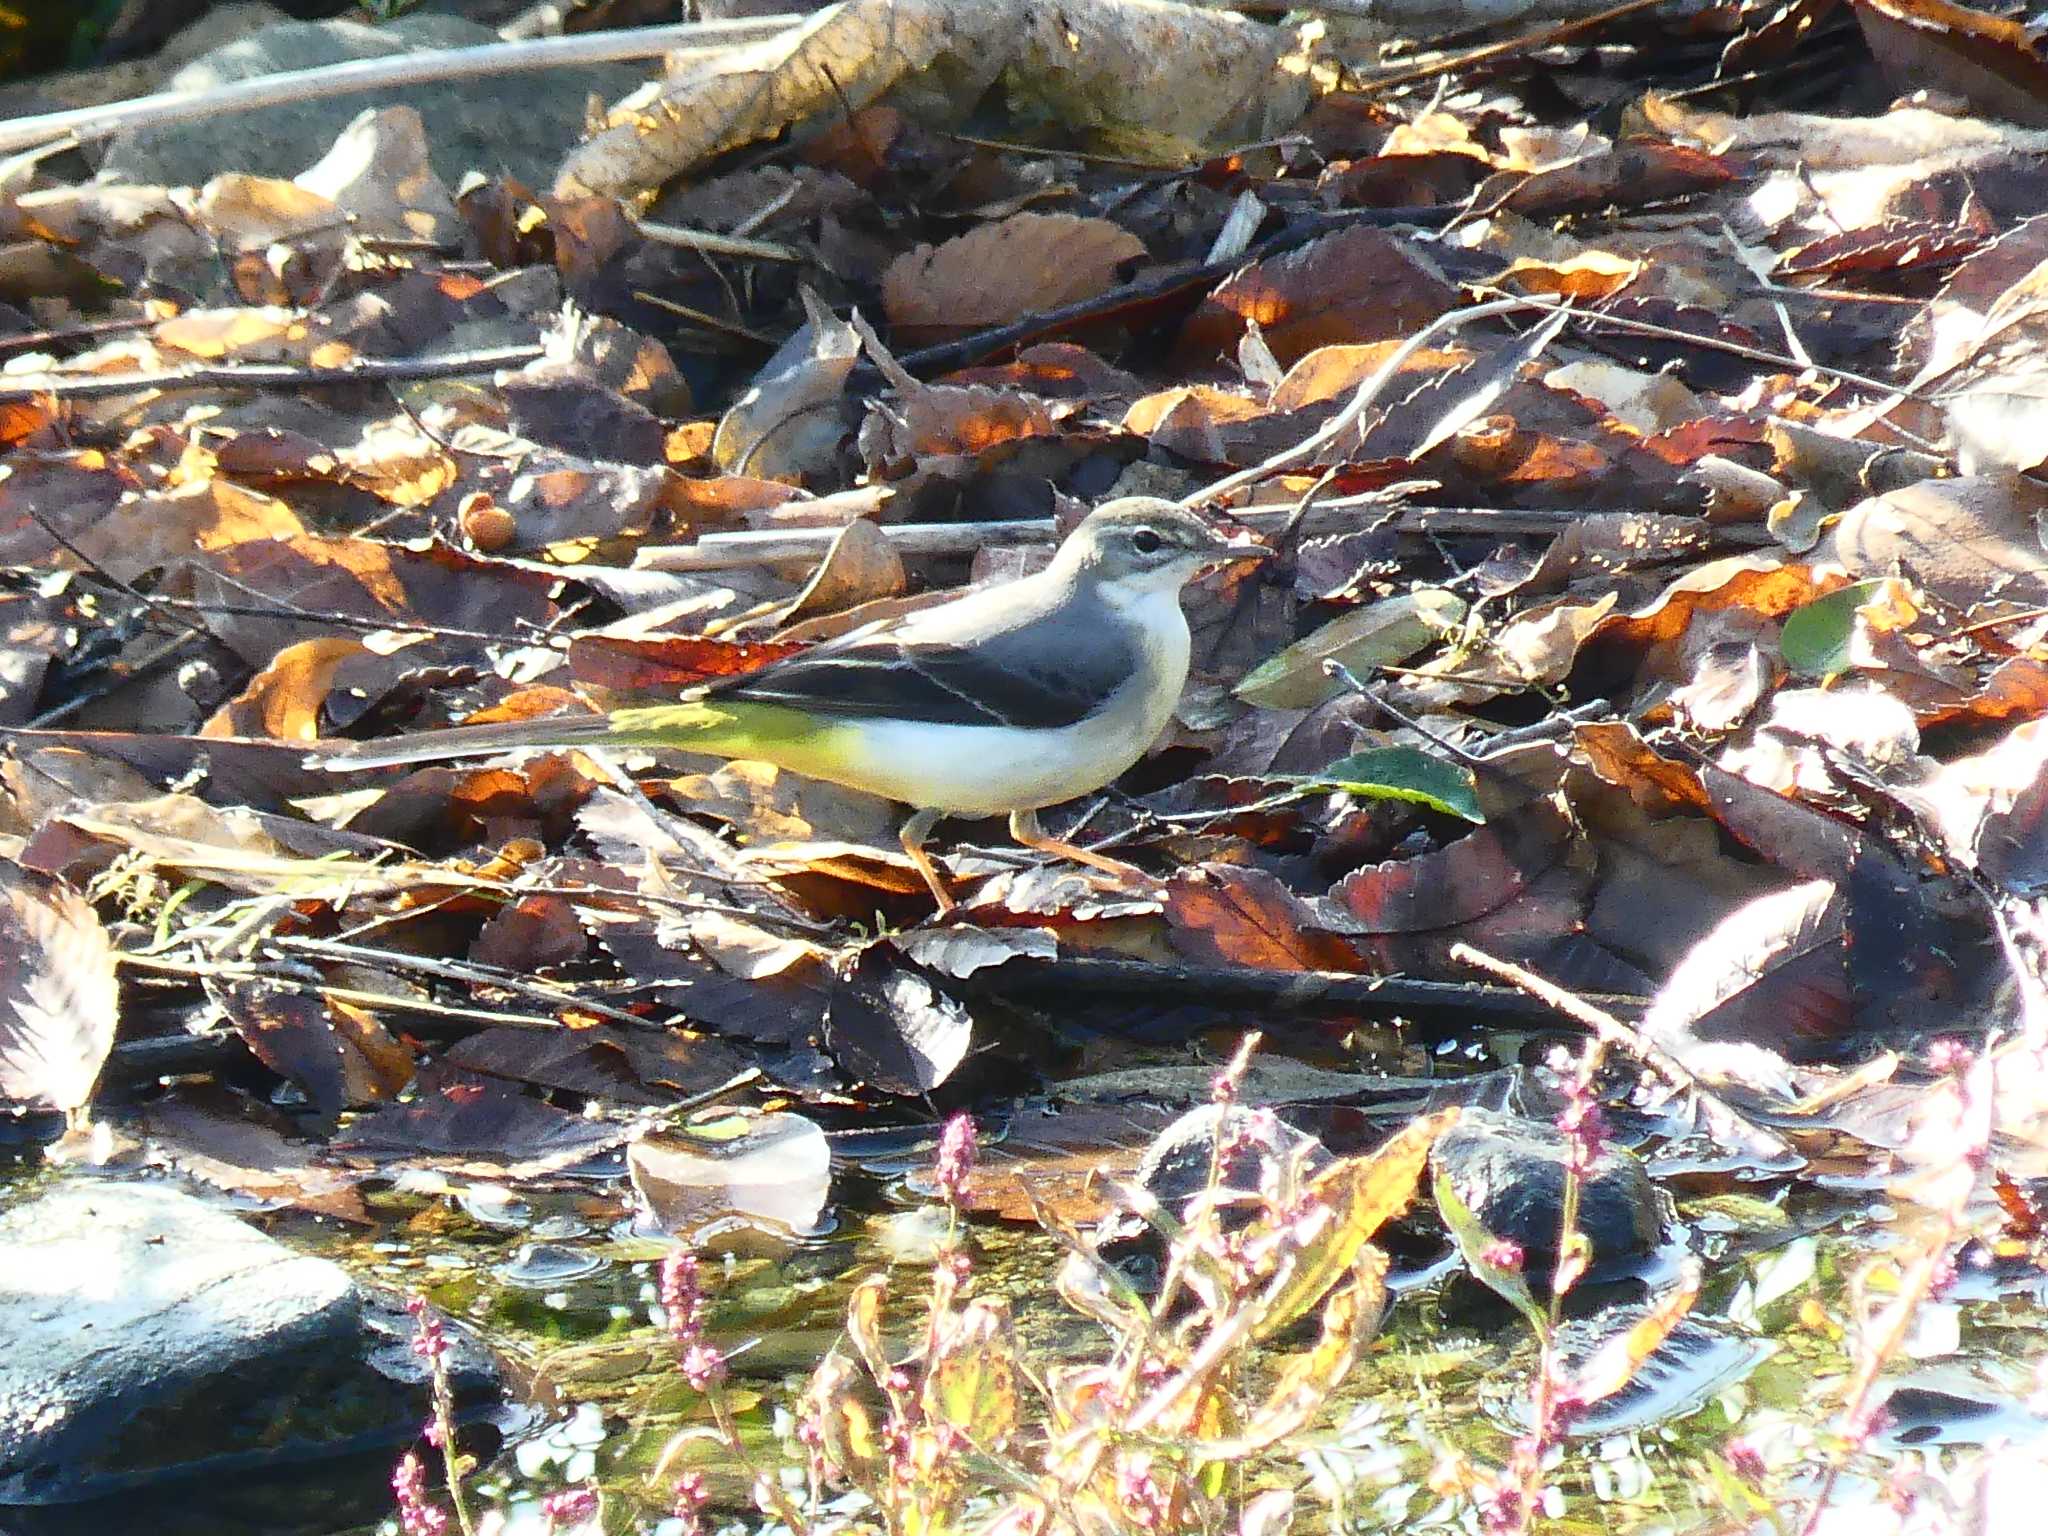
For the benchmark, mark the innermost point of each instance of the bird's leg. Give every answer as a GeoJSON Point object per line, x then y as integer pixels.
{"type": "Point", "coordinates": [1024, 828]}
{"type": "Point", "coordinates": [912, 836]}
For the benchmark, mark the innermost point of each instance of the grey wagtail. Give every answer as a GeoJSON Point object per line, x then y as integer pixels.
{"type": "Point", "coordinates": [1003, 700]}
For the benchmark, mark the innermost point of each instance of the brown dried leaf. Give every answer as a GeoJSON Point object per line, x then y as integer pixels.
{"type": "Point", "coordinates": [1357, 285]}
{"type": "Point", "coordinates": [1226, 915]}
{"type": "Point", "coordinates": [1022, 265]}
{"type": "Point", "coordinates": [1966, 540]}
{"type": "Point", "coordinates": [283, 701]}
{"type": "Point", "coordinates": [844, 57]}
{"type": "Point", "coordinates": [1991, 62]}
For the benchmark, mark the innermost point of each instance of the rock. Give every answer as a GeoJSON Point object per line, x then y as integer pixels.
{"type": "Point", "coordinates": [1510, 1172]}
{"type": "Point", "coordinates": [521, 123]}
{"type": "Point", "coordinates": [1176, 1165]}
{"type": "Point", "coordinates": [380, 173]}
{"type": "Point", "coordinates": [1693, 1363]}
{"type": "Point", "coordinates": [1265, 1153]}
{"type": "Point", "coordinates": [151, 1334]}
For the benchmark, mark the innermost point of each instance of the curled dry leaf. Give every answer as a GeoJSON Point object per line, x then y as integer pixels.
{"type": "Point", "coordinates": [843, 57]}
{"type": "Point", "coordinates": [59, 1002]}
{"type": "Point", "coordinates": [785, 425]}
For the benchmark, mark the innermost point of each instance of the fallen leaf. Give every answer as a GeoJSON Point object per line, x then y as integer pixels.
{"type": "Point", "coordinates": [59, 1005]}
{"type": "Point", "coordinates": [999, 272]}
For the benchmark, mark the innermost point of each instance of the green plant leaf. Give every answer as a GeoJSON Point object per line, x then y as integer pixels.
{"type": "Point", "coordinates": [1816, 637]}
{"type": "Point", "coordinates": [1401, 773]}
{"type": "Point", "coordinates": [1474, 1242]}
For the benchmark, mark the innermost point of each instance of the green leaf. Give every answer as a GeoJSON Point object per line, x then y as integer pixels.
{"type": "Point", "coordinates": [1401, 773]}
{"type": "Point", "coordinates": [1379, 634]}
{"type": "Point", "coordinates": [1816, 637]}
{"type": "Point", "coordinates": [1474, 1243]}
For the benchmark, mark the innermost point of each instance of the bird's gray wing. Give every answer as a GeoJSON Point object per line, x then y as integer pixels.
{"type": "Point", "coordinates": [1052, 669]}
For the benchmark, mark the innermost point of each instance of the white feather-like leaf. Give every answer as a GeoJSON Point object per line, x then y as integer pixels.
{"type": "Point", "coordinates": [59, 1001]}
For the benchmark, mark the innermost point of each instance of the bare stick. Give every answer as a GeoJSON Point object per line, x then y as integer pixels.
{"type": "Point", "coordinates": [364, 370]}
{"type": "Point", "coordinates": [86, 124]}
{"type": "Point", "coordinates": [755, 546]}
{"type": "Point", "coordinates": [1362, 399]}
{"type": "Point", "coordinates": [1572, 1006]}
{"type": "Point", "coordinates": [1528, 42]}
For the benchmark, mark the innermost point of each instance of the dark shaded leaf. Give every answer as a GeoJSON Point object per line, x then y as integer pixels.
{"type": "Point", "coordinates": [473, 1124]}
{"type": "Point", "coordinates": [890, 1026]}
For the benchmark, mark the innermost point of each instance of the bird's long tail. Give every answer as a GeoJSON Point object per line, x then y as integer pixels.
{"type": "Point", "coordinates": [696, 727]}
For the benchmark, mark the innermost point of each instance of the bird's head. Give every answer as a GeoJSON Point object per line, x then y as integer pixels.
{"type": "Point", "coordinates": [1140, 545]}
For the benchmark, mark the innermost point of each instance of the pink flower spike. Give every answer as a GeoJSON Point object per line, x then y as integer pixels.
{"type": "Point", "coordinates": [955, 1164]}
{"type": "Point", "coordinates": [569, 1508]}
{"type": "Point", "coordinates": [1745, 1461]}
{"type": "Point", "coordinates": [1949, 1055]}
{"type": "Point", "coordinates": [703, 1367]}
{"type": "Point", "coordinates": [691, 1497]}
{"type": "Point", "coordinates": [416, 1515]}
{"type": "Point", "coordinates": [682, 1298]}
{"type": "Point", "coordinates": [1503, 1254]}
{"type": "Point", "coordinates": [430, 1338]}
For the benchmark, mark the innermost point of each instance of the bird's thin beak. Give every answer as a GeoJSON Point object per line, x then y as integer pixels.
{"type": "Point", "coordinates": [1233, 551]}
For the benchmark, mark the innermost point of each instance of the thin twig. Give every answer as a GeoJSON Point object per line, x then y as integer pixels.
{"type": "Point", "coordinates": [1572, 1006]}
{"type": "Point", "coordinates": [405, 70]}
{"type": "Point", "coordinates": [1528, 42]}
{"type": "Point", "coordinates": [364, 370]}
{"type": "Point", "coordinates": [713, 244]}
{"type": "Point", "coordinates": [466, 972]}
{"type": "Point", "coordinates": [1363, 398]}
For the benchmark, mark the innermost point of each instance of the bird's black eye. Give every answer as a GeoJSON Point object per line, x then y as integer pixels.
{"type": "Point", "coordinates": [1147, 542]}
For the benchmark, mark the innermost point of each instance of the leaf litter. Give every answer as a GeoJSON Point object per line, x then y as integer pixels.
{"type": "Point", "coordinates": [1659, 609]}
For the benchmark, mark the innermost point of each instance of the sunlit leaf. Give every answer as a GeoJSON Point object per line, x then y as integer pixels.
{"type": "Point", "coordinates": [1402, 773]}
{"type": "Point", "coordinates": [833, 1401]}
{"type": "Point", "coordinates": [1306, 1380]}
{"type": "Point", "coordinates": [864, 1325]}
{"type": "Point", "coordinates": [1353, 1198]}
{"type": "Point", "coordinates": [972, 1380]}
{"type": "Point", "coordinates": [1614, 1364]}
{"type": "Point", "coordinates": [1482, 1252]}
{"type": "Point", "coordinates": [1378, 634]}
{"type": "Point", "coordinates": [59, 1001]}
{"type": "Point", "coordinates": [1817, 636]}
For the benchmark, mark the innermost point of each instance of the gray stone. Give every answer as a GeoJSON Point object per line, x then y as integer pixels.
{"type": "Point", "coordinates": [1510, 1172]}
{"type": "Point", "coordinates": [150, 1334]}
{"type": "Point", "coordinates": [1261, 1160]}
{"type": "Point", "coordinates": [521, 123]}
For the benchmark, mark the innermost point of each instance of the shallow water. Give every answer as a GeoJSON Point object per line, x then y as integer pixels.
{"type": "Point", "coordinates": [560, 1280]}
